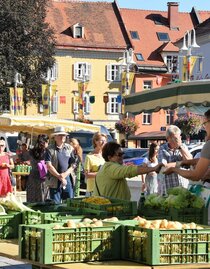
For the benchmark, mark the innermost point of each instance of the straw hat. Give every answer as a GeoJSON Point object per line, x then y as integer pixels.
{"type": "Point", "coordinates": [59, 130]}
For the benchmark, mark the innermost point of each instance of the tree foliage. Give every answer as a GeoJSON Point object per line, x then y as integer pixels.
{"type": "Point", "coordinates": [27, 45]}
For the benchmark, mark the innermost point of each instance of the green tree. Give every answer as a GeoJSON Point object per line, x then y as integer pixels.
{"type": "Point", "coordinates": [27, 45]}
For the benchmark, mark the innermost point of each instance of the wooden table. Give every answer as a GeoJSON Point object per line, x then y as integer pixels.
{"type": "Point", "coordinates": [9, 248]}
{"type": "Point", "coordinates": [18, 180]}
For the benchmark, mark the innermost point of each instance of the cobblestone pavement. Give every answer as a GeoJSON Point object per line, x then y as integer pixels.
{"type": "Point", "coordinates": [7, 263]}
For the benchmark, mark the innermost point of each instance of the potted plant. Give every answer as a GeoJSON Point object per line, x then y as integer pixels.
{"type": "Point", "coordinates": [126, 126]}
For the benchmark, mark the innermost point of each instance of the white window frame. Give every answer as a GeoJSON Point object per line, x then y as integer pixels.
{"type": "Point", "coordinates": [147, 84]}
{"type": "Point", "coordinates": [170, 60]}
{"type": "Point", "coordinates": [114, 72]}
{"type": "Point", "coordinates": [52, 73]}
{"type": "Point", "coordinates": [113, 107]}
{"type": "Point", "coordinates": [168, 117]}
{"type": "Point", "coordinates": [82, 71]}
{"type": "Point", "coordinates": [146, 118]}
{"type": "Point", "coordinates": [54, 103]}
{"type": "Point", "coordinates": [86, 108]}
{"type": "Point", "coordinates": [76, 33]}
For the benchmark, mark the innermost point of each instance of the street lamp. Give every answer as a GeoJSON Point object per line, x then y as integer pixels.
{"type": "Point", "coordinates": [189, 42]}
{"type": "Point", "coordinates": [83, 78]}
{"type": "Point", "coordinates": [127, 65]}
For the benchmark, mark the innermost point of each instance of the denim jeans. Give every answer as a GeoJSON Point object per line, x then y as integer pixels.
{"type": "Point", "coordinates": [59, 194]}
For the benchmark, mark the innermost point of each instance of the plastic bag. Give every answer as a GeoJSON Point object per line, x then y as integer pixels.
{"type": "Point", "coordinates": [42, 168]}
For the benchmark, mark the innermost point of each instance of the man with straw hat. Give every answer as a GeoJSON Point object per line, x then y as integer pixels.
{"type": "Point", "coordinates": [59, 158]}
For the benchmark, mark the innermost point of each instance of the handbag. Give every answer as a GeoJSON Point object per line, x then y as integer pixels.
{"type": "Point", "coordinates": [12, 178]}
{"type": "Point", "coordinates": [42, 168]}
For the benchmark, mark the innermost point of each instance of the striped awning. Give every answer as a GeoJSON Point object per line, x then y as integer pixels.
{"type": "Point", "coordinates": [188, 94]}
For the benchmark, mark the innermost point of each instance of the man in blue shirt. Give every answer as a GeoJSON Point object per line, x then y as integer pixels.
{"type": "Point", "coordinates": [59, 159]}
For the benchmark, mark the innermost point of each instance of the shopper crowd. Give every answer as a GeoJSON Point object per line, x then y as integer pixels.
{"type": "Point", "coordinates": [58, 166]}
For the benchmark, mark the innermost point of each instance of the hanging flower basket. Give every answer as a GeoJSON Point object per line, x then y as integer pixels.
{"type": "Point", "coordinates": [189, 125]}
{"type": "Point", "coordinates": [126, 126]}
{"type": "Point", "coordinates": [84, 120]}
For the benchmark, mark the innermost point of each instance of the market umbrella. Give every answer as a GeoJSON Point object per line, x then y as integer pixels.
{"type": "Point", "coordinates": [42, 124]}
{"type": "Point", "coordinates": [188, 94]}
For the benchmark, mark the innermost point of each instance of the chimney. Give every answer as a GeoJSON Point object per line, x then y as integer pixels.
{"type": "Point", "coordinates": [173, 15]}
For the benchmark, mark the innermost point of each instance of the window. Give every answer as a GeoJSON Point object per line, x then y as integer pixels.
{"type": "Point", "coordinates": [82, 71]}
{"type": "Point", "coordinates": [78, 31]}
{"type": "Point", "coordinates": [18, 78]}
{"type": "Point", "coordinates": [147, 118]}
{"type": "Point", "coordinates": [139, 57]}
{"type": "Point", "coordinates": [134, 34]}
{"type": "Point", "coordinates": [147, 85]}
{"type": "Point", "coordinates": [52, 73]}
{"type": "Point", "coordinates": [163, 36]}
{"type": "Point", "coordinates": [54, 103]}
{"type": "Point", "coordinates": [199, 64]}
{"type": "Point", "coordinates": [169, 117]}
{"type": "Point", "coordinates": [113, 106]}
{"type": "Point", "coordinates": [172, 63]}
{"type": "Point", "coordinates": [86, 108]}
{"type": "Point", "coordinates": [114, 72]}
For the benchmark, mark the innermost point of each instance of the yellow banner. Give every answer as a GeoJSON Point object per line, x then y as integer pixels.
{"type": "Point", "coordinates": [131, 78]}
{"type": "Point", "coordinates": [184, 69]}
{"type": "Point", "coordinates": [47, 97]}
{"type": "Point", "coordinates": [82, 87]}
{"type": "Point", "coordinates": [192, 63]}
{"type": "Point", "coordinates": [123, 82]}
{"type": "Point", "coordinates": [16, 101]}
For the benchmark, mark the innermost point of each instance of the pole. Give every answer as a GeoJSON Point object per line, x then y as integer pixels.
{"type": "Point", "coordinates": [50, 92]}
{"type": "Point", "coordinates": [15, 93]}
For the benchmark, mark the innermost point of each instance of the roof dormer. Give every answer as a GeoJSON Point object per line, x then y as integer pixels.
{"type": "Point", "coordinates": [78, 30]}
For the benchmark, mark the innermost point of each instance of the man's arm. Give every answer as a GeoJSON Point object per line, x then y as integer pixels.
{"type": "Point", "coordinates": [196, 174]}
{"type": "Point", "coordinates": [186, 155]}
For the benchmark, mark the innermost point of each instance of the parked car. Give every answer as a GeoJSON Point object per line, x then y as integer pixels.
{"type": "Point", "coordinates": [134, 155]}
{"type": "Point", "coordinates": [196, 149]}
{"type": "Point", "coordinates": [85, 138]}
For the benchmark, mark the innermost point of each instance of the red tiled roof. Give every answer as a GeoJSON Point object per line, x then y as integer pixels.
{"type": "Point", "coordinates": [148, 44]}
{"type": "Point", "coordinates": [102, 28]}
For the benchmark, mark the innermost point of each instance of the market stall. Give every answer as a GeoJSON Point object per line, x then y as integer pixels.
{"type": "Point", "coordinates": [41, 124]}
{"type": "Point", "coordinates": [189, 94]}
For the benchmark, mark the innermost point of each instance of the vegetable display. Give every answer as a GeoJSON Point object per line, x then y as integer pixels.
{"type": "Point", "coordinates": [10, 202]}
{"type": "Point", "coordinates": [178, 197]}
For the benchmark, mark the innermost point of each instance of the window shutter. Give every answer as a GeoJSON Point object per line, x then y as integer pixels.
{"type": "Point", "coordinates": [108, 106]}
{"type": "Point", "coordinates": [55, 104]}
{"type": "Point", "coordinates": [76, 73]}
{"type": "Point", "coordinates": [108, 72]}
{"type": "Point", "coordinates": [89, 71]}
{"type": "Point", "coordinates": [56, 70]}
{"type": "Point", "coordinates": [87, 104]}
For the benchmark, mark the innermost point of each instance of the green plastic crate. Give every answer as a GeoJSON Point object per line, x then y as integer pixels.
{"type": "Point", "coordinates": [9, 225]}
{"type": "Point", "coordinates": [199, 216]}
{"type": "Point", "coordinates": [116, 208]}
{"type": "Point", "coordinates": [45, 245]}
{"type": "Point", "coordinates": [162, 247]}
{"type": "Point", "coordinates": [38, 217]}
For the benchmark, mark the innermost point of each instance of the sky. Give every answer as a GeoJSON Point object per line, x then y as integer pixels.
{"type": "Point", "coordinates": [184, 5]}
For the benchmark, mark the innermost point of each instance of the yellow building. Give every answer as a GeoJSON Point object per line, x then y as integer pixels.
{"type": "Point", "coordinates": [90, 44]}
